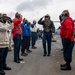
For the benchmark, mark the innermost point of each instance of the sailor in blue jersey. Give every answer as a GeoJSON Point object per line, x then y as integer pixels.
{"type": "Point", "coordinates": [26, 33]}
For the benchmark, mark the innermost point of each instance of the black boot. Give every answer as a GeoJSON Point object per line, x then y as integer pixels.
{"type": "Point", "coordinates": [6, 68]}
{"type": "Point", "coordinates": [48, 55]}
{"type": "Point", "coordinates": [62, 49]}
{"type": "Point", "coordinates": [24, 54]}
{"type": "Point", "coordinates": [63, 65]}
{"type": "Point", "coordinates": [20, 59]}
{"type": "Point", "coordinates": [44, 55]}
{"type": "Point", "coordinates": [33, 47]}
{"type": "Point", "coordinates": [66, 67]}
{"type": "Point", "coordinates": [28, 51]}
{"type": "Point", "coordinates": [2, 72]}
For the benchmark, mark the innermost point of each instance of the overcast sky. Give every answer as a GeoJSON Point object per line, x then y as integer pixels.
{"type": "Point", "coordinates": [35, 9]}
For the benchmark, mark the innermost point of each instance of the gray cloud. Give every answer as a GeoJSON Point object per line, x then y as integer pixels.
{"type": "Point", "coordinates": [41, 3]}
{"type": "Point", "coordinates": [34, 4]}
{"type": "Point", "coordinates": [11, 14]}
{"type": "Point", "coordinates": [24, 6]}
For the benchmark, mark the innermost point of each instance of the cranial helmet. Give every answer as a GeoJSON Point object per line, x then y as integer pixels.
{"type": "Point", "coordinates": [47, 16]}
{"type": "Point", "coordinates": [66, 13]}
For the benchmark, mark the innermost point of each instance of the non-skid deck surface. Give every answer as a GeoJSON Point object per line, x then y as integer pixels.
{"type": "Point", "coordinates": [36, 64]}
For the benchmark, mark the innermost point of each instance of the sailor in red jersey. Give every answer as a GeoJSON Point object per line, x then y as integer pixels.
{"type": "Point", "coordinates": [16, 34]}
{"type": "Point", "coordinates": [66, 33]}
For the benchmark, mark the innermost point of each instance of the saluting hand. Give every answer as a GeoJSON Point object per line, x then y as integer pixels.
{"type": "Point", "coordinates": [43, 17]}
{"type": "Point", "coordinates": [53, 34]}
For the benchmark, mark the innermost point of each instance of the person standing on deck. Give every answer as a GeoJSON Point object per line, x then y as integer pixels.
{"type": "Point", "coordinates": [29, 36]}
{"type": "Point", "coordinates": [16, 34]}
{"type": "Point", "coordinates": [66, 33]}
{"type": "Point", "coordinates": [49, 30]}
{"type": "Point", "coordinates": [26, 33]}
{"type": "Point", "coordinates": [34, 34]}
{"type": "Point", "coordinates": [74, 32]}
{"type": "Point", "coordinates": [5, 26]}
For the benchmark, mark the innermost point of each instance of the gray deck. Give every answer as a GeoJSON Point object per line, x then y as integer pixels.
{"type": "Point", "coordinates": [36, 64]}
